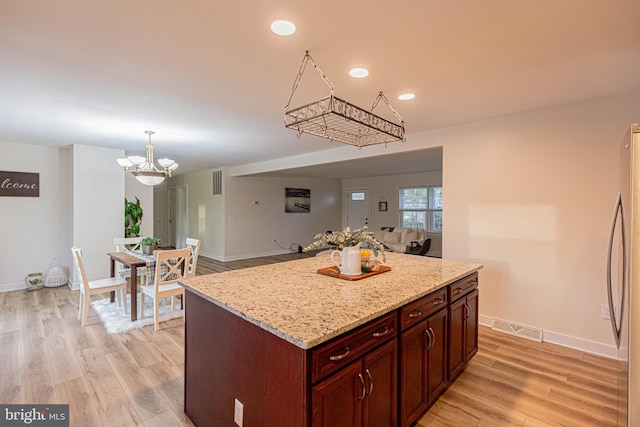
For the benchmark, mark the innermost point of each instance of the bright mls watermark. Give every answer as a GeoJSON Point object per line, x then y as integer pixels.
{"type": "Point", "coordinates": [34, 415]}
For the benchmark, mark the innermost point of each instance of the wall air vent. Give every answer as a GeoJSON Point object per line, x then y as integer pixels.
{"type": "Point", "coordinates": [517, 330]}
{"type": "Point", "coordinates": [217, 182]}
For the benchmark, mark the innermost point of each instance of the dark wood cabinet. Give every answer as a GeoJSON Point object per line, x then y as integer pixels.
{"type": "Point", "coordinates": [463, 332]}
{"type": "Point", "coordinates": [423, 366]}
{"type": "Point", "coordinates": [361, 394]}
{"type": "Point", "coordinates": [386, 372]}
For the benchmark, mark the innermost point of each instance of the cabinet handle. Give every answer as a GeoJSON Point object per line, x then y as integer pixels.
{"type": "Point", "coordinates": [433, 337]}
{"type": "Point", "coordinates": [429, 342]}
{"type": "Point", "coordinates": [370, 382]}
{"type": "Point", "coordinates": [364, 392]}
{"type": "Point", "coordinates": [415, 314]}
{"type": "Point", "coordinates": [438, 301]}
{"type": "Point", "coordinates": [381, 334]}
{"type": "Point", "coordinates": [340, 356]}
{"type": "Point", "coordinates": [456, 291]}
{"type": "Point", "coordinates": [467, 311]}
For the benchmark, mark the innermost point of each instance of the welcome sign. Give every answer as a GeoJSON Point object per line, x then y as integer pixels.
{"type": "Point", "coordinates": [19, 184]}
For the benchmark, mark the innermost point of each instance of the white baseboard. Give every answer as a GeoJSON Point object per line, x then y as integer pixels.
{"type": "Point", "coordinates": [581, 344]}
{"type": "Point", "coordinates": [73, 286]}
{"type": "Point", "coordinates": [12, 287]}
{"type": "Point", "coordinates": [21, 286]}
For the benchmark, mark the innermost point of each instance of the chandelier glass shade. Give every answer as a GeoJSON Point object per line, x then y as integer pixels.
{"type": "Point", "coordinates": [144, 169]}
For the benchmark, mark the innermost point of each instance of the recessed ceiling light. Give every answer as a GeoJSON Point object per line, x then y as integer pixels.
{"type": "Point", "coordinates": [359, 73]}
{"type": "Point", "coordinates": [283, 28]}
{"type": "Point", "coordinates": [406, 96]}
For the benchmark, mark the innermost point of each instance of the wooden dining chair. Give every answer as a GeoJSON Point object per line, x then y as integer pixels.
{"type": "Point", "coordinates": [92, 287]}
{"type": "Point", "coordinates": [194, 245]}
{"type": "Point", "coordinates": [171, 266]}
{"type": "Point", "coordinates": [131, 244]}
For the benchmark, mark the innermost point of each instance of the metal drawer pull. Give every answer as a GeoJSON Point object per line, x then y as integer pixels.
{"type": "Point", "coordinates": [364, 391]}
{"type": "Point", "coordinates": [431, 338]}
{"type": "Point", "coordinates": [438, 301]}
{"type": "Point", "coordinates": [370, 382]}
{"type": "Point", "coordinates": [456, 291]}
{"type": "Point", "coordinates": [381, 334]}
{"type": "Point", "coordinates": [340, 356]}
{"type": "Point", "coordinates": [415, 314]}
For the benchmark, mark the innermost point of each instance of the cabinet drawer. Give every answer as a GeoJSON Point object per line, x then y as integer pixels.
{"type": "Point", "coordinates": [329, 357]}
{"type": "Point", "coordinates": [463, 287]}
{"type": "Point", "coordinates": [419, 310]}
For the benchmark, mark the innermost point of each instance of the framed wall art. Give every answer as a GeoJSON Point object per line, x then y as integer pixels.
{"type": "Point", "coordinates": [297, 200]}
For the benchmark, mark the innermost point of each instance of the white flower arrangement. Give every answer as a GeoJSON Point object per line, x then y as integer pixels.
{"type": "Point", "coordinates": [347, 238]}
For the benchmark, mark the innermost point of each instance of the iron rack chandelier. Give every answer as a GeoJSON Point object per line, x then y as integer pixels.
{"type": "Point", "coordinates": [145, 170]}
{"type": "Point", "coordinates": [338, 120]}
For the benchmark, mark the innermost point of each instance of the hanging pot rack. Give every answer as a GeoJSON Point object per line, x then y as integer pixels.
{"type": "Point", "coordinates": [338, 120]}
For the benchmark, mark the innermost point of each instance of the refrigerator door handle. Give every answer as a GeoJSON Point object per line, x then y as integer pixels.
{"type": "Point", "coordinates": [617, 329]}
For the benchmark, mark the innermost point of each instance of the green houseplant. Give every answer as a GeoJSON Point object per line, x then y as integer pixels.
{"type": "Point", "coordinates": [149, 244]}
{"type": "Point", "coordinates": [132, 218]}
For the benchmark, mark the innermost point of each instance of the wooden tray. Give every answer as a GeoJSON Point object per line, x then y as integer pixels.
{"type": "Point", "coordinates": [335, 272]}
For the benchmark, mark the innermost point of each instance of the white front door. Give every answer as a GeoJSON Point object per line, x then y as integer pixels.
{"type": "Point", "coordinates": [357, 207]}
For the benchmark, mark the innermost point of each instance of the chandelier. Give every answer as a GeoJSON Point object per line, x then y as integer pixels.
{"type": "Point", "coordinates": [338, 120]}
{"type": "Point", "coordinates": [145, 170]}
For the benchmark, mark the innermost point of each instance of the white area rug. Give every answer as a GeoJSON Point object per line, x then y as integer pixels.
{"type": "Point", "coordinates": [115, 321]}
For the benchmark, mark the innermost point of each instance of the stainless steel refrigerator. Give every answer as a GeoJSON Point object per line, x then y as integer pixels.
{"type": "Point", "coordinates": [623, 279]}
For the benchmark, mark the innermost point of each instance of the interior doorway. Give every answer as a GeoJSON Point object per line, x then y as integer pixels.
{"type": "Point", "coordinates": [358, 207]}
{"type": "Point", "coordinates": [171, 215]}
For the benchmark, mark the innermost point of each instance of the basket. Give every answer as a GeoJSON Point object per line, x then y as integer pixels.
{"type": "Point", "coordinates": [55, 275]}
{"type": "Point", "coordinates": [33, 281]}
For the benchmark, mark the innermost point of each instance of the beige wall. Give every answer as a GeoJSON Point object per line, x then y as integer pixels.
{"type": "Point", "coordinates": [35, 229]}
{"type": "Point", "coordinates": [232, 226]}
{"type": "Point", "coordinates": [81, 202]}
{"type": "Point", "coordinates": [531, 196]}
{"type": "Point", "coordinates": [98, 207]}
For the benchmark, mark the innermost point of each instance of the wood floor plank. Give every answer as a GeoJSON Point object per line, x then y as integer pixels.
{"type": "Point", "coordinates": [82, 411]}
{"type": "Point", "coordinates": [105, 389]}
{"type": "Point", "coordinates": [121, 416]}
{"type": "Point", "coordinates": [36, 380]}
{"type": "Point", "coordinates": [62, 360]}
{"type": "Point", "coordinates": [170, 383]}
{"type": "Point", "coordinates": [9, 311]}
{"type": "Point", "coordinates": [144, 397]}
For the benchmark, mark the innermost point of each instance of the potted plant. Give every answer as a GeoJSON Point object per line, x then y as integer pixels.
{"type": "Point", "coordinates": [34, 281]}
{"type": "Point", "coordinates": [149, 244]}
{"type": "Point", "coordinates": [132, 218]}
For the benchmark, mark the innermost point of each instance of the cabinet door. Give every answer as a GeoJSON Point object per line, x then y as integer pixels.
{"type": "Point", "coordinates": [457, 338]}
{"type": "Point", "coordinates": [381, 401]}
{"type": "Point", "coordinates": [463, 333]}
{"type": "Point", "coordinates": [471, 320]}
{"type": "Point", "coordinates": [423, 362]}
{"type": "Point", "coordinates": [437, 355]}
{"type": "Point", "coordinates": [337, 401]}
{"type": "Point", "coordinates": [413, 373]}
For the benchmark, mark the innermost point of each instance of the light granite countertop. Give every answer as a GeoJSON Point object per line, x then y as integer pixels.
{"type": "Point", "coordinates": [294, 302]}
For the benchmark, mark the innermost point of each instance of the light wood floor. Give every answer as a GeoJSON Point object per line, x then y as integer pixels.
{"type": "Point", "coordinates": [136, 378]}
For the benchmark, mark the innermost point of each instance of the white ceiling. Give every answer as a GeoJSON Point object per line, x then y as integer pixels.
{"type": "Point", "coordinates": [212, 81]}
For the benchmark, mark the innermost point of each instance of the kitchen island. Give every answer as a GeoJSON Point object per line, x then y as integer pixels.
{"type": "Point", "coordinates": [280, 345]}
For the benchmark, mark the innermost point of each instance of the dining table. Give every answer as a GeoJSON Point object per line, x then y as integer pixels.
{"type": "Point", "coordinates": [133, 263]}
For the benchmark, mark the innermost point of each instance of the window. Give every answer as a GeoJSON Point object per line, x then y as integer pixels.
{"type": "Point", "coordinates": [421, 207]}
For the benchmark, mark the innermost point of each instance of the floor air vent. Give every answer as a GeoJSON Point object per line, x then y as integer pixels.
{"type": "Point", "coordinates": [517, 330]}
